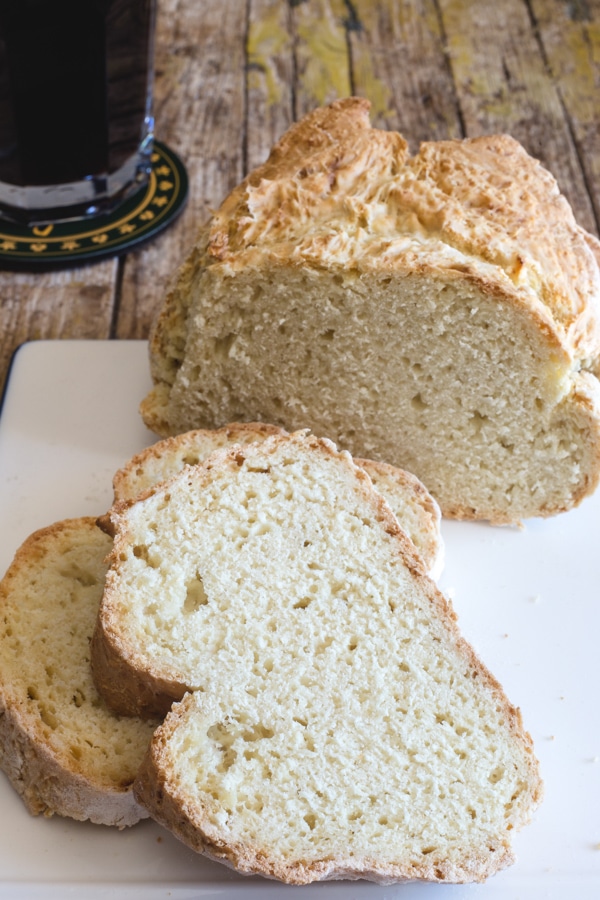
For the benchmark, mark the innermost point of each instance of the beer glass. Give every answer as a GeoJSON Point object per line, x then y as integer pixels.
{"type": "Point", "coordinates": [76, 126]}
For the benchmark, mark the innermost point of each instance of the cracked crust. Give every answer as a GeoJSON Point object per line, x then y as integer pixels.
{"type": "Point", "coordinates": [468, 239]}
{"type": "Point", "coordinates": [336, 186]}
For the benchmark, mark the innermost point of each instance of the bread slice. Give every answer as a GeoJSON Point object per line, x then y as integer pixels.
{"type": "Point", "coordinates": [418, 514]}
{"type": "Point", "coordinates": [62, 749]}
{"type": "Point", "coordinates": [337, 725]}
{"type": "Point", "coordinates": [439, 311]}
{"type": "Point", "coordinates": [416, 510]}
{"type": "Point", "coordinates": [163, 459]}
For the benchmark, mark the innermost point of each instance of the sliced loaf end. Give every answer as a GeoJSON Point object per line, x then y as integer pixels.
{"type": "Point", "coordinates": [63, 751]}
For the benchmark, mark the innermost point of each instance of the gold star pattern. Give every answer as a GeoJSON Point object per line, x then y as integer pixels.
{"type": "Point", "coordinates": [74, 240]}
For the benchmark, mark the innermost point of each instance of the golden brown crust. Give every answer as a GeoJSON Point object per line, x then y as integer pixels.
{"type": "Point", "coordinates": [333, 186]}
{"type": "Point", "coordinates": [339, 200]}
{"type": "Point", "coordinates": [156, 790]}
{"type": "Point", "coordinates": [154, 410]}
{"type": "Point", "coordinates": [48, 787]}
{"type": "Point", "coordinates": [125, 689]}
{"type": "Point", "coordinates": [189, 442]}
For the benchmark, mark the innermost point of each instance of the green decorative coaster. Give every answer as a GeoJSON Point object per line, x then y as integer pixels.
{"type": "Point", "coordinates": [138, 219]}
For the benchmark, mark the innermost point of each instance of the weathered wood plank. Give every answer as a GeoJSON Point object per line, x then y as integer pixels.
{"type": "Point", "coordinates": [399, 63]}
{"type": "Point", "coordinates": [503, 84]}
{"type": "Point", "coordinates": [270, 74]}
{"type": "Point", "coordinates": [76, 304]}
{"type": "Point", "coordinates": [233, 74]}
{"type": "Point", "coordinates": [200, 113]}
{"type": "Point", "coordinates": [570, 36]}
{"type": "Point", "coordinates": [322, 53]}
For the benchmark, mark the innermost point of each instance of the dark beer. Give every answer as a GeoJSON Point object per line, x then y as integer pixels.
{"type": "Point", "coordinates": [74, 89]}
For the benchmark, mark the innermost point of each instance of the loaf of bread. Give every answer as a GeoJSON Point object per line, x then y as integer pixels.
{"type": "Point", "coordinates": [63, 751]}
{"type": "Point", "coordinates": [333, 722]}
{"type": "Point", "coordinates": [416, 510]}
{"type": "Point", "coordinates": [439, 311]}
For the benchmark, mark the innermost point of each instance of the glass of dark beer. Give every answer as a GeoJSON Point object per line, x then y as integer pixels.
{"type": "Point", "coordinates": [76, 126]}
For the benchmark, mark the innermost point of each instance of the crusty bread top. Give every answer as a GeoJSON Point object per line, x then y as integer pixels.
{"type": "Point", "coordinates": [162, 460]}
{"type": "Point", "coordinates": [438, 311]}
{"type": "Point", "coordinates": [336, 189]}
{"type": "Point", "coordinates": [331, 688]}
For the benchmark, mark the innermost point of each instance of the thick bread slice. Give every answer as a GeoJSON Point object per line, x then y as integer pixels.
{"type": "Point", "coordinates": [63, 751]}
{"type": "Point", "coordinates": [418, 514]}
{"type": "Point", "coordinates": [440, 312]}
{"type": "Point", "coordinates": [338, 725]}
{"type": "Point", "coordinates": [416, 510]}
{"type": "Point", "coordinates": [165, 458]}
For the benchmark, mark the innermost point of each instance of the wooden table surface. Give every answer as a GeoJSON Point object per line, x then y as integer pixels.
{"type": "Point", "coordinates": [231, 75]}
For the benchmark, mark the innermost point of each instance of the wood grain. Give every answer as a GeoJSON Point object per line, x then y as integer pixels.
{"type": "Point", "coordinates": [503, 84]}
{"type": "Point", "coordinates": [322, 53]}
{"type": "Point", "coordinates": [570, 40]}
{"type": "Point", "coordinates": [231, 76]}
{"type": "Point", "coordinates": [199, 108]}
{"type": "Point", "coordinates": [399, 62]}
{"type": "Point", "coordinates": [76, 304]}
{"type": "Point", "coordinates": [270, 77]}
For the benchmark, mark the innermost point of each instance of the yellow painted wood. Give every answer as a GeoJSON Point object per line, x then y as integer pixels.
{"type": "Point", "coordinates": [399, 63]}
{"type": "Point", "coordinates": [270, 78]}
{"type": "Point", "coordinates": [503, 84]}
{"type": "Point", "coordinates": [269, 39]}
{"type": "Point", "coordinates": [570, 36]}
{"type": "Point", "coordinates": [322, 58]}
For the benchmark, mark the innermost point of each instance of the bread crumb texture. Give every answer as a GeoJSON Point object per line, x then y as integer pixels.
{"type": "Point", "coordinates": [63, 750]}
{"type": "Point", "coordinates": [335, 723]}
{"type": "Point", "coordinates": [440, 312]}
{"type": "Point", "coordinates": [414, 507]}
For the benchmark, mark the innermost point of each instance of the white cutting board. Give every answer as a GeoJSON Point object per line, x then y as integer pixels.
{"type": "Point", "coordinates": [528, 600]}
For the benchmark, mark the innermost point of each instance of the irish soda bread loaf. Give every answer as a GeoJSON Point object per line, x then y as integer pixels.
{"type": "Point", "coordinates": [338, 725]}
{"type": "Point", "coordinates": [63, 751]}
{"type": "Point", "coordinates": [416, 510]}
{"type": "Point", "coordinates": [437, 311]}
